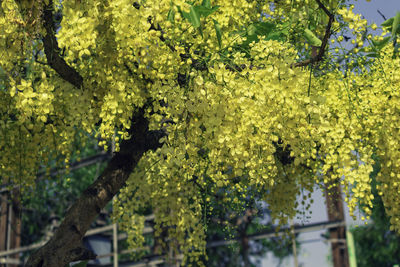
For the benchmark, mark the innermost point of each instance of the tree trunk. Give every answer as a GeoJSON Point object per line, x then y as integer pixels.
{"type": "Point", "coordinates": [66, 244]}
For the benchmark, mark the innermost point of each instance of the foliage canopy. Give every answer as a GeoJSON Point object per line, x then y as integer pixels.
{"type": "Point", "coordinates": [215, 88]}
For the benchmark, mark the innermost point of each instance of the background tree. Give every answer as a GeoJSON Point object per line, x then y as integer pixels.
{"type": "Point", "coordinates": [375, 243]}
{"type": "Point", "coordinates": [241, 224]}
{"type": "Point", "coordinates": [50, 198]}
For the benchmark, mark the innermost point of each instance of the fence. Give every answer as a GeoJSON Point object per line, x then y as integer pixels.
{"type": "Point", "coordinates": [153, 260]}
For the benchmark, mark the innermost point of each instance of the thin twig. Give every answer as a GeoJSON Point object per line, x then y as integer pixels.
{"type": "Point", "coordinates": [380, 13]}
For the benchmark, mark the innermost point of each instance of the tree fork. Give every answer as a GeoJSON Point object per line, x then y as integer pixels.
{"type": "Point", "coordinates": [66, 244]}
{"type": "Point", "coordinates": [318, 56]}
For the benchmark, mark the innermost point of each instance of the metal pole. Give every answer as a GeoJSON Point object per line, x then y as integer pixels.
{"type": "Point", "coordinates": [115, 244]}
{"type": "Point", "coordinates": [294, 248]}
{"type": "Point", "coordinates": [115, 226]}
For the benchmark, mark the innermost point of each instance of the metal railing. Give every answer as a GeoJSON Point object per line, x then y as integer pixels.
{"type": "Point", "coordinates": [156, 259]}
{"type": "Point", "coordinates": [99, 230]}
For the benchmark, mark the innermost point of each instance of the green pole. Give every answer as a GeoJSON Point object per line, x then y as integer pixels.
{"type": "Point", "coordinates": [351, 249]}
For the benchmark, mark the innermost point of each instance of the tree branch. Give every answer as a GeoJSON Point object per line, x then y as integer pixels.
{"type": "Point", "coordinates": [321, 51]}
{"type": "Point", "coordinates": [53, 51]}
{"type": "Point", "coordinates": [66, 244]}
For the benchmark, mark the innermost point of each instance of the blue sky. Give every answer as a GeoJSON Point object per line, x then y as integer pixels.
{"type": "Point", "coordinates": [370, 10]}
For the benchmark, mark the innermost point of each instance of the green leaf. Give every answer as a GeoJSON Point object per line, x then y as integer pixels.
{"type": "Point", "coordinates": [171, 15]}
{"type": "Point", "coordinates": [218, 33]}
{"type": "Point", "coordinates": [205, 11]}
{"type": "Point", "coordinates": [395, 24]}
{"type": "Point", "coordinates": [277, 36]}
{"type": "Point", "coordinates": [390, 25]}
{"type": "Point", "coordinates": [261, 29]}
{"type": "Point", "coordinates": [206, 3]}
{"type": "Point", "coordinates": [270, 31]}
{"type": "Point", "coordinates": [387, 23]}
{"type": "Point", "coordinates": [264, 28]}
{"type": "Point", "coordinates": [251, 30]}
{"type": "Point", "coordinates": [364, 49]}
{"type": "Point", "coordinates": [311, 38]}
{"type": "Point", "coordinates": [186, 15]}
{"type": "Point", "coordinates": [285, 27]}
{"type": "Point", "coordinates": [372, 54]}
{"type": "Point", "coordinates": [380, 44]}
{"type": "Point", "coordinates": [81, 264]}
{"type": "Point", "coordinates": [194, 17]}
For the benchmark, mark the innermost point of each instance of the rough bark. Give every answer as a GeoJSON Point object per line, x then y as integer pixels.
{"type": "Point", "coordinates": [53, 51]}
{"type": "Point", "coordinates": [66, 244]}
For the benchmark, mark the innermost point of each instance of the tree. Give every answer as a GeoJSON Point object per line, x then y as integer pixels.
{"type": "Point", "coordinates": [48, 202]}
{"type": "Point", "coordinates": [199, 97]}
{"type": "Point", "coordinates": [375, 243]}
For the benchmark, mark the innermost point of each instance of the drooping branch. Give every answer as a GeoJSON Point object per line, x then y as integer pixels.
{"type": "Point", "coordinates": [66, 244]}
{"type": "Point", "coordinates": [321, 52]}
{"type": "Point", "coordinates": [53, 51]}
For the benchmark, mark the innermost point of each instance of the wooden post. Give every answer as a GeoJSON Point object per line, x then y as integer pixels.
{"type": "Point", "coordinates": [10, 224]}
{"type": "Point", "coordinates": [3, 221]}
{"type": "Point", "coordinates": [335, 210]}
